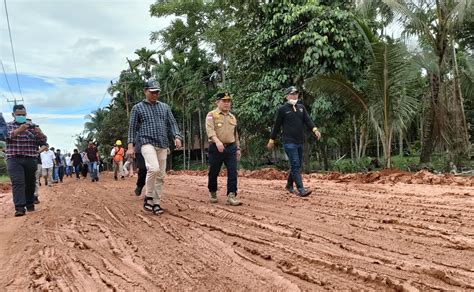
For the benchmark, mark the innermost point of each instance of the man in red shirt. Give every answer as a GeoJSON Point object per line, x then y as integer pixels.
{"type": "Point", "coordinates": [93, 156]}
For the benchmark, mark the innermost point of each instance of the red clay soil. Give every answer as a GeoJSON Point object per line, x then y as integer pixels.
{"type": "Point", "coordinates": [374, 231]}
{"type": "Point", "coordinates": [382, 177]}
{"type": "Point", "coordinates": [5, 187]}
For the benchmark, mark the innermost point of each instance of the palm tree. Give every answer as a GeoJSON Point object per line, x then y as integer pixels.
{"type": "Point", "coordinates": [436, 23]}
{"type": "Point", "coordinates": [145, 61]}
{"type": "Point", "coordinates": [381, 98]}
{"type": "Point", "coordinates": [93, 126]}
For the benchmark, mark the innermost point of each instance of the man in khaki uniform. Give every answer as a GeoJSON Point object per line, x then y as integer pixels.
{"type": "Point", "coordinates": [224, 147]}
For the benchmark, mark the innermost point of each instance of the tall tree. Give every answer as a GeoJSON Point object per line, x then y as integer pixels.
{"type": "Point", "coordinates": [436, 23]}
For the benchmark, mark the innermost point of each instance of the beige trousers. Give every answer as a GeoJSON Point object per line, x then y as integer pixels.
{"type": "Point", "coordinates": [155, 161]}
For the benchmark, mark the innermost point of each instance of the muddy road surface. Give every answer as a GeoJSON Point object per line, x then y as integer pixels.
{"type": "Point", "coordinates": [377, 232]}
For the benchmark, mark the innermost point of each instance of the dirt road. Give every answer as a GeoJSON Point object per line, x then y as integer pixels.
{"type": "Point", "coordinates": [349, 235]}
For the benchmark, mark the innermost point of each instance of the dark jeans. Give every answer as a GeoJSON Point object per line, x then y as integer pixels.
{"type": "Point", "coordinates": [77, 170]}
{"type": "Point", "coordinates": [93, 169]}
{"type": "Point", "coordinates": [141, 169]}
{"type": "Point", "coordinates": [60, 173]}
{"type": "Point", "coordinates": [295, 158]}
{"type": "Point", "coordinates": [55, 173]}
{"type": "Point", "coordinates": [229, 158]}
{"type": "Point", "coordinates": [22, 172]}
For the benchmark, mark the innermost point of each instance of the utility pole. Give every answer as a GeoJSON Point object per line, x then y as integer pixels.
{"type": "Point", "coordinates": [15, 101]}
{"type": "Point", "coordinates": [126, 100]}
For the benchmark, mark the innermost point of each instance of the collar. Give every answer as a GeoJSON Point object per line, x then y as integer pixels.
{"type": "Point", "coordinates": [221, 112]}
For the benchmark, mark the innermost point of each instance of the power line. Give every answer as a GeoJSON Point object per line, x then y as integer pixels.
{"type": "Point", "coordinates": [13, 51]}
{"type": "Point", "coordinates": [6, 79]}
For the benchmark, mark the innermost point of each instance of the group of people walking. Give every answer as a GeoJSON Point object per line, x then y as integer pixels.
{"type": "Point", "coordinates": [151, 124]}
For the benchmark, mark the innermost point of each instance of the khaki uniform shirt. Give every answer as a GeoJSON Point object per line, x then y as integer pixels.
{"type": "Point", "coordinates": [222, 125]}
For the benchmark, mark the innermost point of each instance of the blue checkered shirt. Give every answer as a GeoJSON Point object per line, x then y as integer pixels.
{"type": "Point", "coordinates": [152, 124]}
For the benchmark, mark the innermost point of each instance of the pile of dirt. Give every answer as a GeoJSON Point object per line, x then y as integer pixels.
{"type": "Point", "coordinates": [385, 176]}
{"type": "Point", "coordinates": [265, 173]}
{"type": "Point", "coordinates": [394, 176]}
{"type": "Point", "coordinates": [5, 187]}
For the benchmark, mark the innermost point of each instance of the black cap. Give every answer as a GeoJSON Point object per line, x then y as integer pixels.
{"type": "Point", "coordinates": [152, 85]}
{"type": "Point", "coordinates": [223, 95]}
{"type": "Point", "coordinates": [19, 107]}
{"type": "Point", "coordinates": [290, 90]}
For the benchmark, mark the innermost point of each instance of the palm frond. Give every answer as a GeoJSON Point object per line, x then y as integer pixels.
{"type": "Point", "coordinates": [461, 10]}
{"type": "Point", "coordinates": [427, 60]}
{"type": "Point", "coordinates": [336, 85]}
{"type": "Point", "coordinates": [403, 11]}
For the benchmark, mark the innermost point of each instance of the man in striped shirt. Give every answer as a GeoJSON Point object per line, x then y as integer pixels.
{"type": "Point", "coordinates": [23, 139]}
{"type": "Point", "coordinates": [152, 122]}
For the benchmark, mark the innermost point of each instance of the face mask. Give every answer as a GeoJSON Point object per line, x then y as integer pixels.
{"type": "Point", "coordinates": [20, 119]}
{"type": "Point", "coordinates": [292, 101]}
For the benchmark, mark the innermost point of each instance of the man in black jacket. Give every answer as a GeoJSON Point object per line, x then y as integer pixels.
{"type": "Point", "coordinates": [292, 117]}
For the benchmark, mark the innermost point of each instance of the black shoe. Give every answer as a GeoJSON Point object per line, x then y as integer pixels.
{"type": "Point", "coordinates": [46, 183]}
{"type": "Point", "coordinates": [37, 201]}
{"type": "Point", "coordinates": [115, 177]}
{"type": "Point", "coordinates": [20, 212]}
{"type": "Point", "coordinates": [305, 193]}
{"type": "Point", "coordinates": [97, 179]}
{"type": "Point", "coordinates": [157, 210]}
{"type": "Point", "coordinates": [138, 191]}
{"type": "Point", "coordinates": [30, 208]}
{"type": "Point", "coordinates": [39, 183]}
{"type": "Point", "coordinates": [122, 177]}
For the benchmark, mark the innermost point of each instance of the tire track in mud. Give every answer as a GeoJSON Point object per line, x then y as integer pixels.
{"type": "Point", "coordinates": [462, 283]}
{"type": "Point", "coordinates": [94, 236]}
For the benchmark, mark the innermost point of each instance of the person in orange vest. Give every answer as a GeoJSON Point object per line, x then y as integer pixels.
{"type": "Point", "coordinates": [117, 154]}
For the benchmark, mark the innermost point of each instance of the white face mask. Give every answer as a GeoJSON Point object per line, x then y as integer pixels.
{"type": "Point", "coordinates": [292, 101]}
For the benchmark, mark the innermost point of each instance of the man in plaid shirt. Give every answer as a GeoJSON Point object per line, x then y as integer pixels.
{"type": "Point", "coordinates": [152, 122]}
{"type": "Point", "coordinates": [23, 139]}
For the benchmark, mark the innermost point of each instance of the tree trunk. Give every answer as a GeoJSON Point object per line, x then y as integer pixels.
{"type": "Point", "coordinates": [184, 136]}
{"type": "Point", "coordinates": [400, 143]}
{"type": "Point", "coordinates": [378, 145]}
{"type": "Point", "coordinates": [201, 140]}
{"type": "Point", "coordinates": [429, 122]}
{"type": "Point", "coordinates": [356, 146]}
{"type": "Point", "coordinates": [190, 140]}
{"type": "Point", "coordinates": [460, 114]}
{"type": "Point", "coordinates": [386, 144]}
{"type": "Point", "coordinates": [363, 141]}
{"type": "Point", "coordinates": [306, 152]}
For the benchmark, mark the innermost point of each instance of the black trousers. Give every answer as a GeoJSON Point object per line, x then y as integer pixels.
{"type": "Point", "coordinates": [141, 169]}
{"type": "Point", "coordinates": [229, 158]}
{"type": "Point", "coordinates": [22, 172]}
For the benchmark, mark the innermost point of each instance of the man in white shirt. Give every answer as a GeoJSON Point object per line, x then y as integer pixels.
{"type": "Point", "coordinates": [47, 163]}
{"type": "Point", "coordinates": [68, 165]}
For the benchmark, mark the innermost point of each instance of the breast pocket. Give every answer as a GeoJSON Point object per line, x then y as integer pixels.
{"type": "Point", "coordinates": [233, 124]}
{"type": "Point", "coordinates": [218, 123]}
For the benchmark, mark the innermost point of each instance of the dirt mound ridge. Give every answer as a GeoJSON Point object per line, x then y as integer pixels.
{"type": "Point", "coordinates": [380, 177]}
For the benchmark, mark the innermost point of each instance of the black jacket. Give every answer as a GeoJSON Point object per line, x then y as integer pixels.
{"type": "Point", "coordinates": [292, 119]}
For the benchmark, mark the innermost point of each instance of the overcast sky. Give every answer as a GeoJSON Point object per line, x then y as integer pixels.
{"type": "Point", "coordinates": [67, 51]}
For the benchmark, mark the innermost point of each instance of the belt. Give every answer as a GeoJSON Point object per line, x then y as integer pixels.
{"type": "Point", "coordinates": [226, 144]}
